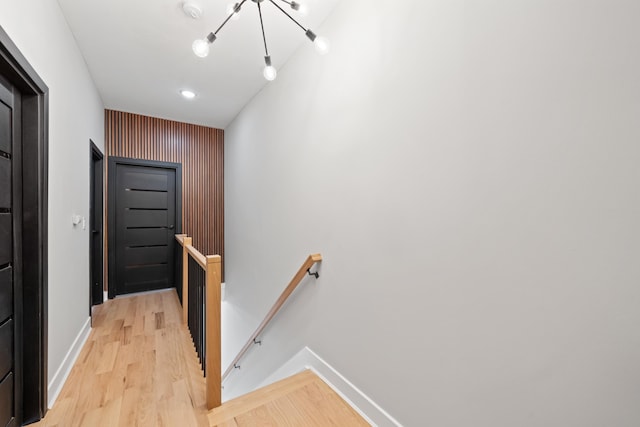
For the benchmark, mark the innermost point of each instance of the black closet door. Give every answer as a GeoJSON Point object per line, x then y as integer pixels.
{"type": "Point", "coordinates": [146, 203]}
{"type": "Point", "coordinates": [10, 185]}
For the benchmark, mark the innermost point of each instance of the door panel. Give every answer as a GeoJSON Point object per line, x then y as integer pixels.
{"type": "Point", "coordinates": [5, 181]}
{"type": "Point", "coordinates": [5, 128]}
{"type": "Point", "coordinates": [6, 240]}
{"type": "Point", "coordinates": [139, 274]}
{"type": "Point", "coordinates": [145, 199]}
{"type": "Point", "coordinates": [150, 181]}
{"type": "Point", "coordinates": [6, 294]}
{"type": "Point", "coordinates": [7, 188]}
{"type": "Point", "coordinates": [24, 204]}
{"type": "Point", "coordinates": [6, 400]}
{"type": "Point", "coordinates": [6, 347]}
{"type": "Point", "coordinates": [146, 255]}
{"type": "Point", "coordinates": [145, 237]}
{"type": "Point", "coordinates": [145, 218]}
{"type": "Point", "coordinates": [96, 221]}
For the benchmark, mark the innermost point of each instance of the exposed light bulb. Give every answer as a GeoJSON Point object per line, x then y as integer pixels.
{"type": "Point", "coordinates": [322, 45]}
{"type": "Point", "coordinates": [270, 73]}
{"type": "Point", "coordinates": [201, 47]}
{"type": "Point", "coordinates": [301, 8]}
{"type": "Point", "coordinates": [231, 10]}
{"type": "Point", "coordinates": [187, 94]}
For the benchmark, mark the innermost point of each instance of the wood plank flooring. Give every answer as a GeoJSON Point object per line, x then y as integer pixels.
{"type": "Point", "coordinates": [301, 400]}
{"type": "Point", "coordinates": [138, 368]}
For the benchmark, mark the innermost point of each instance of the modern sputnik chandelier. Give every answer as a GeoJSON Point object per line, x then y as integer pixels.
{"type": "Point", "coordinates": [201, 46]}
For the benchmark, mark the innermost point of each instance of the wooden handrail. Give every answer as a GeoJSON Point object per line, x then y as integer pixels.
{"type": "Point", "coordinates": [196, 255]}
{"type": "Point", "coordinates": [302, 272]}
{"type": "Point", "coordinates": [180, 238]}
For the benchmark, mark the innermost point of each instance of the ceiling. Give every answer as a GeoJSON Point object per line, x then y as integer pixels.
{"type": "Point", "coordinates": [139, 53]}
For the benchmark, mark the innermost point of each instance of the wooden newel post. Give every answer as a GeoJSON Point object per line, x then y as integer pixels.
{"type": "Point", "coordinates": [185, 278]}
{"type": "Point", "coordinates": [213, 325]}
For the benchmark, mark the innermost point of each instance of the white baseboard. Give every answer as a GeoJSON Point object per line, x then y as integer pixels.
{"type": "Point", "coordinates": [58, 380]}
{"type": "Point", "coordinates": [307, 359]}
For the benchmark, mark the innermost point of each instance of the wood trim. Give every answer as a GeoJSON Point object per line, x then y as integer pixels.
{"type": "Point", "coordinates": [297, 278]}
{"type": "Point", "coordinates": [213, 339]}
{"type": "Point", "coordinates": [186, 244]}
{"type": "Point", "coordinates": [180, 238]}
{"type": "Point", "coordinates": [196, 255]}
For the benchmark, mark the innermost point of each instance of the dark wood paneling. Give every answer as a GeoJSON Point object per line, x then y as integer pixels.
{"type": "Point", "coordinates": [5, 182]}
{"type": "Point", "coordinates": [6, 400]}
{"type": "Point", "coordinates": [5, 239]}
{"type": "Point", "coordinates": [6, 294]}
{"type": "Point", "coordinates": [199, 149]}
{"type": "Point", "coordinates": [6, 348]}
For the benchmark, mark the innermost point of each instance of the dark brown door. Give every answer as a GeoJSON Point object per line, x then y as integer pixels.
{"type": "Point", "coordinates": [96, 221]}
{"type": "Point", "coordinates": [145, 198]}
{"type": "Point", "coordinates": [10, 236]}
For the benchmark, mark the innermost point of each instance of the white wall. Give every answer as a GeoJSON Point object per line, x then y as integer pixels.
{"type": "Point", "coordinates": [469, 171]}
{"type": "Point", "coordinates": [39, 30]}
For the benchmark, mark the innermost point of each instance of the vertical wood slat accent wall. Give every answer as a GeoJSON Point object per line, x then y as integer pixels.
{"type": "Point", "coordinates": [199, 149]}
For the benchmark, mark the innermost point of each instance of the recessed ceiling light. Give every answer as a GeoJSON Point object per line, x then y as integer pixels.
{"type": "Point", "coordinates": [187, 94]}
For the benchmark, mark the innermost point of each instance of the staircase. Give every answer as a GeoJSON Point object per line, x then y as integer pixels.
{"type": "Point", "coordinates": [301, 400]}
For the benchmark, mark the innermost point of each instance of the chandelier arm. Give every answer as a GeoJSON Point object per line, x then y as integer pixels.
{"type": "Point", "coordinates": [290, 17]}
{"type": "Point", "coordinates": [228, 18]}
{"type": "Point", "coordinates": [264, 38]}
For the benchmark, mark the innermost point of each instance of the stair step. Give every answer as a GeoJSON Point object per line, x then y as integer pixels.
{"type": "Point", "coordinates": [302, 399]}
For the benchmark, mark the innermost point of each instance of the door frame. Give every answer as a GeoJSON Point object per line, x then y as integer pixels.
{"type": "Point", "coordinates": [32, 356]}
{"type": "Point", "coordinates": [96, 223]}
{"type": "Point", "coordinates": [111, 207]}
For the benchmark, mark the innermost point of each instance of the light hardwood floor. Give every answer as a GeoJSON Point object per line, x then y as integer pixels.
{"type": "Point", "coordinates": [301, 400]}
{"type": "Point", "coordinates": [138, 368]}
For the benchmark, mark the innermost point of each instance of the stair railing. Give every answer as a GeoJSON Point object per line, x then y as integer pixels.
{"type": "Point", "coordinates": [304, 270]}
{"type": "Point", "coordinates": [201, 310]}
{"type": "Point", "coordinates": [201, 305]}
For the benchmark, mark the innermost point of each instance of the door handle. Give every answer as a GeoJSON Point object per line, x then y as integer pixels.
{"type": "Point", "coordinates": [171, 227]}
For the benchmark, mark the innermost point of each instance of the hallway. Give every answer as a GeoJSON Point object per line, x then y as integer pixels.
{"type": "Point", "coordinates": [138, 368]}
